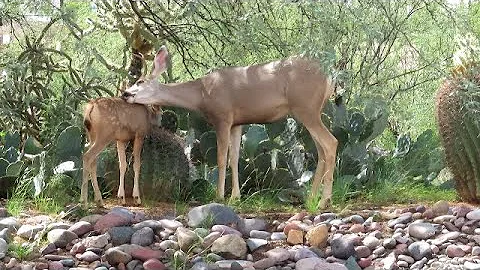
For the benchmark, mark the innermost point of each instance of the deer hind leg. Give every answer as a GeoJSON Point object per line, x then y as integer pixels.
{"type": "Point", "coordinates": [86, 175]}
{"type": "Point", "coordinates": [326, 145]}
{"type": "Point", "coordinates": [137, 151]}
{"type": "Point", "coordinates": [90, 169]}
{"type": "Point", "coordinates": [223, 141]}
{"type": "Point", "coordinates": [234, 152]}
{"type": "Point", "coordinates": [97, 195]}
{"type": "Point", "coordinates": [122, 160]}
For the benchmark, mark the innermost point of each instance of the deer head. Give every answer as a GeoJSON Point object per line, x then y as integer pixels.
{"type": "Point", "coordinates": [145, 90]}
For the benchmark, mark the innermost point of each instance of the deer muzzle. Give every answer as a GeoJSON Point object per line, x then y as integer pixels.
{"type": "Point", "coordinates": [128, 97]}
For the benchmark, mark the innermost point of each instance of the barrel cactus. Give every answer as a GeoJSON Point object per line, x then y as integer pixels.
{"type": "Point", "coordinates": [165, 169]}
{"type": "Point", "coordinates": [458, 117]}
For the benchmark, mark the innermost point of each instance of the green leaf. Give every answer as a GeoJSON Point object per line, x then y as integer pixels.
{"type": "Point", "coordinates": [281, 160]}
{"type": "Point", "coordinates": [198, 123]}
{"type": "Point", "coordinates": [3, 166]}
{"type": "Point", "coordinates": [282, 177]}
{"type": "Point", "coordinates": [307, 140]}
{"type": "Point", "coordinates": [267, 146]}
{"type": "Point", "coordinates": [253, 137]}
{"type": "Point", "coordinates": [356, 124]}
{"type": "Point", "coordinates": [12, 140]}
{"type": "Point", "coordinates": [169, 121]}
{"type": "Point", "coordinates": [14, 169]}
{"type": "Point", "coordinates": [32, 146]}
{"type": "Point", "coordinates": [11, 154]}
{"type": "Point", "coordinates": [208, 143]}
{"type": "Point", "coordinates": [211, 157]}
{"type": "Point", "coordinates": [275, 129]}
{"type": "Point", "coordinates": [263, 163]}
{"type": "Point", "coordinates": [403, 145]}
{"type": "Point", "coordinates": [69, 144]}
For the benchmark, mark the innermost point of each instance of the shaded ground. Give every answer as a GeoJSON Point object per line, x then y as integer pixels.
{"type": "Point", "coordinates": [159, 210]}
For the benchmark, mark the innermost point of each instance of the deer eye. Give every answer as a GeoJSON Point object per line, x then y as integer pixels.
{"type": "Point", "coordinates": [140, 82]}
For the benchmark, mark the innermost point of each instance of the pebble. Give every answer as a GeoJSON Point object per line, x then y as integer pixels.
{"type": "Point", "coordinates": [437, 237]}
{"type": "Point", "coordinates": [230, 246]}
{"type": "Point", "coordinates": [217, 214]}
{"type": "Point", "coordinates": [143, 237]}
{"type": "Point", "coordinates": [419, 250]}
{"type": "Point", "coordinates": [421, 231]}
{"type": "Point", "coordinates": [343, 247]}
{"type": "Point", "coordinates": [153, 264]}
{"type": "Point", "coordinates": [255, 243]}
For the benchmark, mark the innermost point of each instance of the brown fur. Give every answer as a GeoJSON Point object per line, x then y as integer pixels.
{"type": "Point", "coordinates": [112, 119]}
{"type": "Point", "coordinates": [262, 93]}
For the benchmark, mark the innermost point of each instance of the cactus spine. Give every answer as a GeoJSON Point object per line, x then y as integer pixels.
{"type": "Point", "coordinates": [458, 117]}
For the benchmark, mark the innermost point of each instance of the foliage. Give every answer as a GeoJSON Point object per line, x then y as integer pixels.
{"type": "Point", "coordinates": [262, 201]}
{"type": "Point", "coordinates": [355, 131]}
{"type": "Point", "coordinates": [387, 58]}
{"type": "Point", "coordinates": [44, 174]}
{"type": "Point", "coordinates": [42, 88]}
{"type": "Point", "coordinates": [391, 192]}
{"type": "Point", "coordinates": [422, 158]}
{"type": "Point", "coordinates": [20, 251]}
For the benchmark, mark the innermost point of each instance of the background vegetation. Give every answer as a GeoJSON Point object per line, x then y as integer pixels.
{"type": "Point", "coordinates": [388, 59]}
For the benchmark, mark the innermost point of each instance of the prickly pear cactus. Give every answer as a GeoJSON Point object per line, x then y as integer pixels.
{"type": "Point", "coordinates": [458, 117]}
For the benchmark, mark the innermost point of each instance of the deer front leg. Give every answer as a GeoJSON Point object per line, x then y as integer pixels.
{"type": "Point", "coordinates": [223, 140]}
{"type": "Point", "coordinates": [122, 160]}
{"type": "Point", "coordinates": [137, 151]}
{"type": "Point", "coordinates": [235, 140]}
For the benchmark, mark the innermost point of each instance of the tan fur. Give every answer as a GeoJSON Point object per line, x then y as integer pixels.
{"type": "Point", "coordinates": [112, 119]}
{"type": "Point", "coordinates": [261, 93]}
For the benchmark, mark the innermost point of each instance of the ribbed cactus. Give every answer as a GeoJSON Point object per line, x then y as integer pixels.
{"type": "Point", "coordinates": [458, 117]}
{"type": "Point", "coordinates": [164, 175]}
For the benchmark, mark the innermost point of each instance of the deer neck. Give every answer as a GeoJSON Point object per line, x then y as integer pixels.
{"type": "Point", "coordinates": [186, 95]}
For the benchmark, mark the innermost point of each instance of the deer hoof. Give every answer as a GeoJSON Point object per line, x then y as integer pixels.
{"type": "Point", "coordinates": [121, 200]}
{"type": "Point", "coordinates": [83, 204]}
{"type": "Point", "coordinates": [235, 197]}
{"type": "Point", "coordinates": [99, 203]}
{"type": "Point", "coordinates": [324, 204]}
{"type": "Point", "coordinates": [138, 201]}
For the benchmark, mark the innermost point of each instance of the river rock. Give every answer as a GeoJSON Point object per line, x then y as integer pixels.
{"type": "Point", "coordinates": [81, 227]}
{"type": "Point", "coordinates": [343, 247]}
{"type": "Point", "coordinates": [421, 230]}
{"type": "Point", "coordinates": [28, 232]}
{"type": "Point", "coordinates": [317, 236]}
{"type": "Point", "coordinates": [61, 237]}
{"type": "Point", "coordinates": [419, 250]}
{"type": "Point", "coordinates": [121, 235]}
{"type": "Point", "coordinates": [230, 246]}
{"type": "Point", "coordinates": [217, 214]}
{"type": "Point", "coordinates": [143, 237]}
{"type": "Point", "coordinates": [186, 238]}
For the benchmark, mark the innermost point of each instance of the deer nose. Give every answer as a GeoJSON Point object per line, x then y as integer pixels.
{"type": "Point", "coordinates": [126, 94]}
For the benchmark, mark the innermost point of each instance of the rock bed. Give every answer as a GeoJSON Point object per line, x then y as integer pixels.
{"type": "Point", "coordinates": [213, 236]}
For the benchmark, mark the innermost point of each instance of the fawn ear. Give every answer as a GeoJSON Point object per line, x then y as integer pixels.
{"type": "Point", "coordinates": [159, 63]}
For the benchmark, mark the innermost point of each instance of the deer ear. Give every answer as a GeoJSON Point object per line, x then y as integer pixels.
{"type": "Point", "coordinates": [159, 63]}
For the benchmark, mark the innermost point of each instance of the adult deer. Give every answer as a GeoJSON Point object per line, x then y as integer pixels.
{"type": "Point", "coordinates": [112, 119]}
{"type": "Point", "coordinates": [263, 93]}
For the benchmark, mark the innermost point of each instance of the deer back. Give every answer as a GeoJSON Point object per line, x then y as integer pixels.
{"type": "Point", "coordinates": [116, 119]}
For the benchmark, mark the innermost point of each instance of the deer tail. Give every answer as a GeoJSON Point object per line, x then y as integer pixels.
{"type": "Point", "coordinates": [86, 116]}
